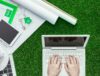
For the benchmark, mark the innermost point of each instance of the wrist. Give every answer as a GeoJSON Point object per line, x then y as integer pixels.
{"type": "Point", "coordinates": [74, 75]}
{"type": "Point", "coordinates": [51, 75]}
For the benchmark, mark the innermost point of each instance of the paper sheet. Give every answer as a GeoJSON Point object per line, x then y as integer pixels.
{"type": "Point", "coordinates": [38, 10]}
{"type": "Point", "coordinates": [26, 28]}
{"type": "Point", "coordinates": [37, 22]}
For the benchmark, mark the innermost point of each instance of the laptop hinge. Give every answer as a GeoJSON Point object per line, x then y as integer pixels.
{"type": "Point", "coordinates": [62, 48]}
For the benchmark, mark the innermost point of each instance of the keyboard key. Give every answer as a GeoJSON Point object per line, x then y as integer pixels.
{"type": "Point", "coordinates": [9, 66]}
{"type": "Point", "coordinates": [1, 72]}
{"type": "Point", "coordinates": [0, 75]}
{"type": "Point", "coordinates": [9, 70]}
{"type": "Point", "coordinates": [62, 53]}
{"type": "Point", "coordinates": [9, 62]}
{"type": "Point", "coordinates": [10, 74]}
{"type": "Point", "coordinates": [5, 71]}
{"type": "Point", "coordinates": [4, 75]}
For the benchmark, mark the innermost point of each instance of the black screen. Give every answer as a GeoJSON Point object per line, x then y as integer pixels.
{"type": "Point", "coordinates": [7, 33]}
{"type": "Point", "coordinates": [64, 41]}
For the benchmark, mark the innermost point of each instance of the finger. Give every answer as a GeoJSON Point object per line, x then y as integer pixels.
{"type": "Point", "coordinates": [56, 59]}
{"type": "Point", "coordinates": [49, 62]}
{"type": "Point", "coordinates": [77, 60]}
{"type": "Point", "coordinates": [66, 67]}
{"type": "Point", "coordinates": [71, 59]}
{"type": "Point", "coordinates": [59, 59]}
{"type": "Point", "coordinates": [59, 63]}
{"type": "Point", "coordinates": [52, 59]}
{"type": "Point", "coordinates": [60, 67]}
{"type": "Point", "coordinates": [78, 63]}
{"type": "Point", "coordinates": [74, 60]}
{"type": "Point", "coordinates": [67, 60]}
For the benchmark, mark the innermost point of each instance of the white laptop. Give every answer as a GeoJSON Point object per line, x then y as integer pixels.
{"type": "Point", "coordinates": [10, 68]}
{"type": "Point", "coordinates": [64, 45]}
{"type": "Point", "coordinates": [8, 34]}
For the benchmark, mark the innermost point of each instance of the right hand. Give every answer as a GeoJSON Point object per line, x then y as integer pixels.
{"type": "Point", "coordinates": [72, 66]}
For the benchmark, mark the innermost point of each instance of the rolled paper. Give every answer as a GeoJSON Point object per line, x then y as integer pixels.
{"type": "Point", "coordinates": [64, 15]}
{"type": "Point", "coordinates": [38, 10]}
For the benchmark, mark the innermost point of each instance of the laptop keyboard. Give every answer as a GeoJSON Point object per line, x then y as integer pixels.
{"type": "Point", "coordinates": [63, 54]}
{"type": "Point", "coordinates": [7, 71]}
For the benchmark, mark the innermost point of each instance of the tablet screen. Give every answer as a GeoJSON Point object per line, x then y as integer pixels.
{"type": "Point", "coordinates": [7, 33]}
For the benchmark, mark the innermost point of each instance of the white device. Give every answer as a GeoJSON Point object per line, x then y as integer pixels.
{"type": "Point", "coordinates": [4, 57]}
{"type": "Point", "coordinates": [8, 34]}
{"type": "Point", "coordinates": [10, 68]}
{"type": "Point", "coordinates": [64, 45]}
{"type": "Point", "coordinates": [46, 10]}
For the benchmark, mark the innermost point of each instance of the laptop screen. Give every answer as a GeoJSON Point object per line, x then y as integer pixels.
{"type": "Point", "coordinates": [64, 41]}
{"type": "Point", "coordinates": [7, 33]}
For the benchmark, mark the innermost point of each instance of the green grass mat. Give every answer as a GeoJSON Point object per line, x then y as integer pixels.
{"type": "Point", "coordinates": [28, 58]}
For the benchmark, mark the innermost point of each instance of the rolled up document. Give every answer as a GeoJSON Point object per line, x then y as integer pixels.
{"type": "Point", "coordinates": [38, 10]}
{"type": "Point", "coordinates": [67, 17]}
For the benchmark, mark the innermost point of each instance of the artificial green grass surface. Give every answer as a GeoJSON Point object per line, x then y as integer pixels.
{"type": "Point", "coordinates": [28, 58]}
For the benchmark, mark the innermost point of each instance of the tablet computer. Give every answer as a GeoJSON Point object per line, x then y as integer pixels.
{"type": "Point", "coordinates": [8, 34]}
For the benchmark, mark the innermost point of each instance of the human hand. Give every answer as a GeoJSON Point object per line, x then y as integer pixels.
{"type": "Point", "coordinates": [54, 66]}
{"type": "Point", "coordinates": [72, 66]}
